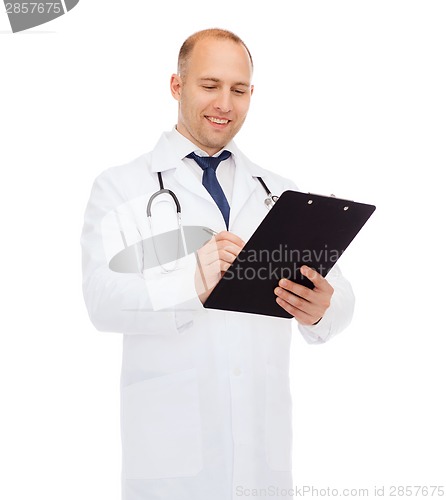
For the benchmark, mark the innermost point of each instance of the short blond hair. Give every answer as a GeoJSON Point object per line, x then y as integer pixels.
{"type": "Point", "coordinates": [216, 33]}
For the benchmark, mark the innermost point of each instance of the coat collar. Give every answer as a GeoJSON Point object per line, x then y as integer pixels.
{"type": "Point", "coordinates": [172, 148]}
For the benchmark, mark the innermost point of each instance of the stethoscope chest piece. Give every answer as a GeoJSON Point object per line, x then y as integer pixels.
{"type": "Point", "coordinates": [270, 200]}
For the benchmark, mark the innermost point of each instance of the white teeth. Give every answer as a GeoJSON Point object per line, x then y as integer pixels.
{"type": "Point", "coordinates": [217, 120]}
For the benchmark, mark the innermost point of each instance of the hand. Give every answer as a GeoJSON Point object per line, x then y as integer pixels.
{"type": "Point", "coordinates": [307, 306]}
{"type": "Point", "coordinates": [213, 260]}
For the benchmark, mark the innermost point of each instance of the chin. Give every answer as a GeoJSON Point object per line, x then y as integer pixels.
{"type": "Point", "coordinates": [215, 142]}
{"type": "Point", "coordinates": [221, 138]}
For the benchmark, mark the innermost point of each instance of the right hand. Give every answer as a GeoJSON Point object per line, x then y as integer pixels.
{"type": "Point", "coordinates": [213, 260]}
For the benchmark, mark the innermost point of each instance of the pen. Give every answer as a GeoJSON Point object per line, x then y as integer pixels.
{"type": "Point", "coordinates": [210, 231]}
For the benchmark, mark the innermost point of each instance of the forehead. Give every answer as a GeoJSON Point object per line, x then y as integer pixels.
{"type": "Point", "coordinates": [221, 59]}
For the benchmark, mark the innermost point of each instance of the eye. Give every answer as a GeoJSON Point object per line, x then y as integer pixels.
{"type": "Point", "coordinates": [209, 87]}
{"type": "Point", "coordinates": [239, 92]}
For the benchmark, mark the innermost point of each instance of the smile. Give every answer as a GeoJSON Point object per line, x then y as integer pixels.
{"type": "Point", "coordinates": [218, 121]}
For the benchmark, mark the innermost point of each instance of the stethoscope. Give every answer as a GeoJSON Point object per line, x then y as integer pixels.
{"type": "Point", "coordinates": [270, 200]}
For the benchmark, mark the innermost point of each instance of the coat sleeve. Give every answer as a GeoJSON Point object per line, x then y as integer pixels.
{"type": "Point", "coordinates": [121, 302]}
{"type": "Point", "coordinates": [338, 316]}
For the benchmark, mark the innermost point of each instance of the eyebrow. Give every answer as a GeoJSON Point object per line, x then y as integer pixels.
{"type": "Point", "coordinates": [217, 80]}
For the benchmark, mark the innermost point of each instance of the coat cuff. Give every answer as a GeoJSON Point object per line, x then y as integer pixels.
{"type": "Point", "coordinates": [174, 290]}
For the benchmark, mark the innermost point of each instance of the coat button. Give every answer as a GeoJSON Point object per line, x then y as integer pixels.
{"type": "Point", "coordinates": [236, 372]}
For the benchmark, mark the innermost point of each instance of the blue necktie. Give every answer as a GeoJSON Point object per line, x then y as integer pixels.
{"type": "Point", "coordinates": [209, 165]}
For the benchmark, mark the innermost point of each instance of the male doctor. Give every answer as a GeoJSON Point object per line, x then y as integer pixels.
{"type": "Point", "coordinates": [205, 394]}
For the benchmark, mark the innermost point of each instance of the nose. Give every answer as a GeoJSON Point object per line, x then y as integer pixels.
{"type": "Point", "coordinates": [223, 102]}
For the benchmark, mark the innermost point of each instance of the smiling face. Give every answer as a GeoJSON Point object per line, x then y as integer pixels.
{"type": "Point", "coordinates": [213, 93]}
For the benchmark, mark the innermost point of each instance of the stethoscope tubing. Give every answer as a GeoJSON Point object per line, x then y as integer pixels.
{"type": "Point", "coordinates": [269, 201]}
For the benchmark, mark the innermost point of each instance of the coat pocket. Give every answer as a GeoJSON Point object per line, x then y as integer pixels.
{"type": "Point", "coordinates": [278, 425]}
{"type": "Point", "coordinates": [161, 427]}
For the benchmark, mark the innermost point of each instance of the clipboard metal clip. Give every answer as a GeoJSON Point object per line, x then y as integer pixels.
{"type": "Point", "coordinates": [324, 195]}
{"type": "Point", "coordinates": [331, 196]}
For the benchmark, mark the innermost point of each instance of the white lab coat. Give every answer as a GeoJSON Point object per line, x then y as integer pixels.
{"type": "Point", "coordinates": [206, 403]}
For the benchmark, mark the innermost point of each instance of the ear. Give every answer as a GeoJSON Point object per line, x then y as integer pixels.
{"type": "Point", "coordinates": [176, 85]}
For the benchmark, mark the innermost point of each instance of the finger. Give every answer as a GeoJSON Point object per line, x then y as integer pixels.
{"type": "Point", "coordinates": [314, 301]}
{"type": "Point", "coordinates": [225, 252]}
{"type": "Point", "coordinates": [209, 247]}
{"type": "Point", "coordinates": [296, 302]}
{"type": "Point", "coordinates": [224, 266]}
{"type": "Point", "coordinates": [317, 279]}
{"type": "Point", "coordinates": [229, 245]}
{"type": "Point", "coordinates": [228, 249]}
{"type": "Point", "coordinates": [301, 316]}
{"type": "Point", "coordinates": [300, 290]}
{"type": "Point", "coordinates": [230, 237]}
{"type": "Point", "coordinates": [214, 256]}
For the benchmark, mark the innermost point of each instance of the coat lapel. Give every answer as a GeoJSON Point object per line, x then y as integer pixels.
{"type": "Point", "coordinates": [245, 183]}
{"type": "Point", "coordinates": [187, 179]}
{"type": "Point", "coordinates": [164, 158]}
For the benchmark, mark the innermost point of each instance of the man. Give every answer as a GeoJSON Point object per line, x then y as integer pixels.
{"type": "Point", "coordinates": [206, 405]}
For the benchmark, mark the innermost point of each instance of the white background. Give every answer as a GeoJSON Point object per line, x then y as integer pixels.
{"type": "Point", "coordinates": [349, 99]}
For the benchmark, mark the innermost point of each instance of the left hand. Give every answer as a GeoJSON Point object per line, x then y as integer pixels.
{"type": "Point", "coordinates": [307, 306]}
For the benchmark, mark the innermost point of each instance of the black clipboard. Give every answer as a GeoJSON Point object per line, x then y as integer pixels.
{"type": "Point", "coordinates": [301, 228]}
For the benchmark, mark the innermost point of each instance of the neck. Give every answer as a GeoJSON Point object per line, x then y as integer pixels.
{"type": "Point", "coordinates": [210, 151]}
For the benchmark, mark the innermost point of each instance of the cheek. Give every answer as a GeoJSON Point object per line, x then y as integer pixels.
{"type": "Point", "coordinates": [195, 103]}
{"type": "Point", "coordinates": [243, 107]}
{"type": "Point", "coordinates": [203, 104]}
